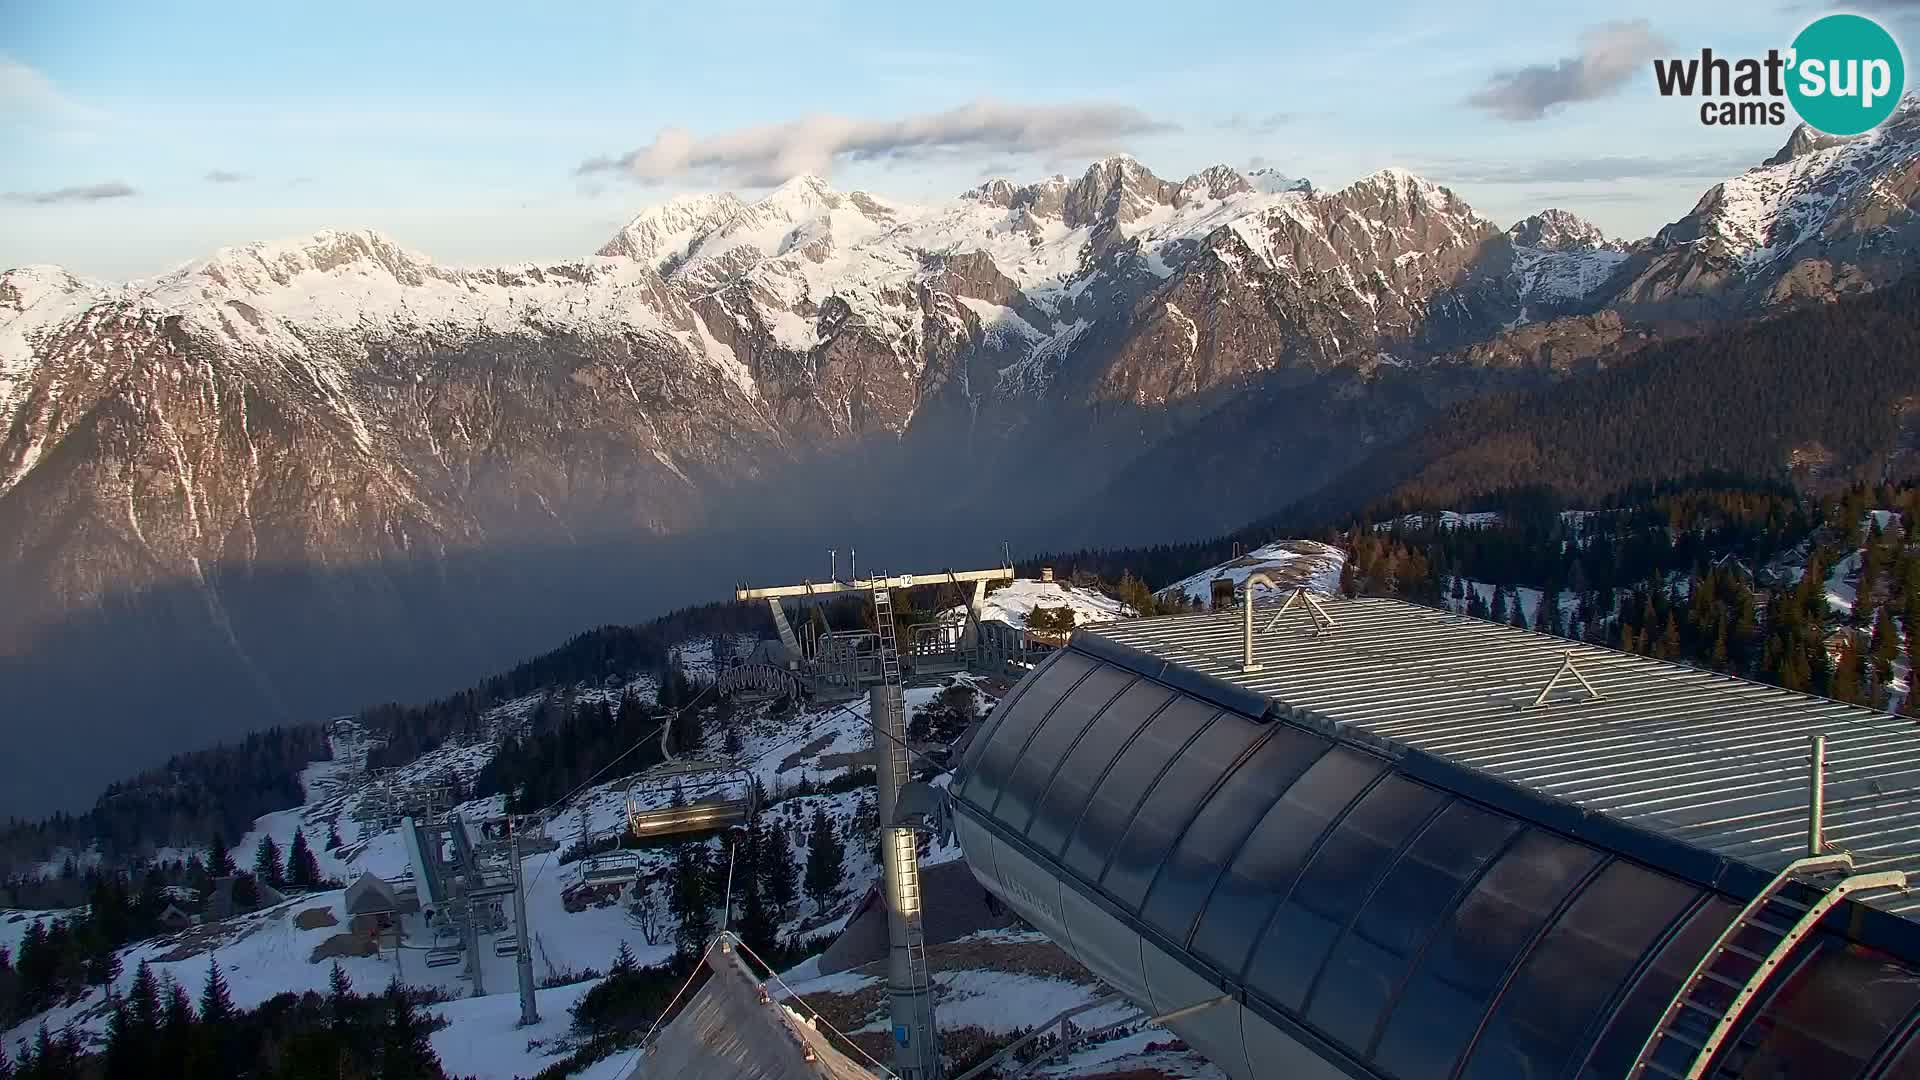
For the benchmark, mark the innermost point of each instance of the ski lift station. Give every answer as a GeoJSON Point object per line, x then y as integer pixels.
{"type": "Point", "coordinates": [1333, 838]}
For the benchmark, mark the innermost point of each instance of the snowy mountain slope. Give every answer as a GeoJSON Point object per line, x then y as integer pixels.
{"type": "Point", "coordinates": [340, 399]}
{"type": "Point", "coordinates": [1554, 229]}
{"type": "Point", "coordinates": [1015, 601]}
{"type": "Point", "coordinates": [274, 950]}
{"type": "Point", "coordinates": [1821, 218]}
{"type": "Point", "coordinates": [351, 413]}
{"type": "Point", "coordinates": [1561, 261]}
{"type": "Point", "coordinates": [1291, 563]}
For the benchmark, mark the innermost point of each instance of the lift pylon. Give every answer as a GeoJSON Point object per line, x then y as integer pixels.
{"type": "Point", "coordinates": [916, 1046]}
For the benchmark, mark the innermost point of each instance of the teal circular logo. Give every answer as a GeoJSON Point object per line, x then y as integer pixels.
{"type": "Point", "coordinates": [1847, 74]}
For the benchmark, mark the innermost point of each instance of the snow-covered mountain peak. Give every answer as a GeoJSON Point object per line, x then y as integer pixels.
{"type": "Point", "coordinates": [661, 235]}
{"type": "Point", "coordinates": [800, 196]}
{"type": "Point", "coordinates": [998, 191]}
{"type": "Point", "coordinates": [1554, 229]}
{"type": "Point", "coordinates": [1212, 182]}
{"type": "Point", "coordinates": [1272, 182]}
{"type": "Point", "coordinates": [1399, 191]}
{"type": "Point", "coordinates": [25, 287]}
{"type": "Point", "coordinates": [1116, 189]}
{"type": "Point", "coordinates": [1803, 141]}
{"type": "Point", "coordinates": [262, 267]}
{"type": "Point", "coordinates": [1815, 187]}
{"type": "Point", "coordinates": [1405, 184]}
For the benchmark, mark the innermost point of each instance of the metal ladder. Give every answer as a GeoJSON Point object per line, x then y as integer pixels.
{"type": "Point", "coordinates": [883, 626]}
{"type": "Point", "coordinates": [1713, 998]}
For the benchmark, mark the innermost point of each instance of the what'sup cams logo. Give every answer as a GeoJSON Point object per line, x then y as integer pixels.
{"type": "Point", "coordinates": [1843, 75]}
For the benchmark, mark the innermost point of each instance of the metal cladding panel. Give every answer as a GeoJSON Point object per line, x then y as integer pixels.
{"type": "Point", "coordinates": [1000, 749]}
{"type": "Point", "coordinates": [1214, 1031]}
{"type": "Point", "coordinates": [1203, 850]}
{"type": "Point", "coordinates": [1834, 1015]}
{"type": "Point", "coordinates": [991, 726]}
{"type": "Point", "coordinates": [976, 845]}
{"type": "Point", "coordinates": [1087, 764]}
{"type": "Point", "coordinates": [1263, 871]}
{"type": "Point", "coordinates": [1456, 903]}
{"type": "Point", "coordinates": [1169, 808]}
{"type": "Point", "coordinates": [1629, 750]}
{"type": "Point", "coordinates": [1057, 735]}
{"type": "Point", "coordinates": [1565, 985]}
{"type": "Point", "coordinates": [1250, 704]}
{"type": "Point", "coordinates": [1104, 945]}
{"type": "Point", "coordinates": [1118, 796]}
{"type": "Point", "coordinates": [1279, 1054]}
{"type": "Point", "coordinates": [1032, 891]}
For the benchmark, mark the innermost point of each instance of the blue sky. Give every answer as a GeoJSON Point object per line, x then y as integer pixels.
{"type": "Point", "coordinates": [461, 129]}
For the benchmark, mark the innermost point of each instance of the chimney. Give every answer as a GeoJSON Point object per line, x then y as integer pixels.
{"type": "Point", "coordinates": [1046, 573]}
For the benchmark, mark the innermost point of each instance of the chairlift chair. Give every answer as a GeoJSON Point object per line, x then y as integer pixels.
{"type": "Point", "coordinates": [697, 815]}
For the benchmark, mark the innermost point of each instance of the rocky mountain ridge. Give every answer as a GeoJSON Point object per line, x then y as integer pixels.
{"type": "Point", "coordinates": [338, 404]}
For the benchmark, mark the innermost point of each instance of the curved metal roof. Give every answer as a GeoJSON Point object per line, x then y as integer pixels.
{"type": "Point", "coordinates": [1403, 911]}
{"type": "Point", "coordinates": [1712, 761]}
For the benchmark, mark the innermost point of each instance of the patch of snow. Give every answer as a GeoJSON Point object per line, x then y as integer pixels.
{"type": "Point", "coordinates": [1016, 601]}
{"type": "Point", "coordinates": [1307, 563]}
{"type": "Point", "coordinates": [1192, 328]}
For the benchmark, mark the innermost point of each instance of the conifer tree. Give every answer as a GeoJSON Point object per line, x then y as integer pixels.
{"type": "Point", "coordinates": [143, 998]}
{"type": "Point", "coordinates": [623, 961]}
{"type": "Point", "coordinates": [303, 870]}
{"type": "Point", "coordinates": [688, 900]}
{"type": "Point", "coordinates": [219, 863]}
{"type": "Point", "coordinates": [216, 1002]}
{"type": "Point", "coordinates": [177, 1033]}
{"type": "Point", "coordinates": [339, 998]}
{"type": "Point", "coordinates": [826, 857]}
{"type": "Point", "coordinates": [266, 863]}
{"type": "Point", "coordinates": [43, 1061]}
{"type": "Point", "coordinates": [1499, 610]}
{"type": "Point", "coordinates": [1848, 685]}
{"type": "Point", "coordinates": [757, 927]}
{"type": "Point", "coordinates": [1885, 646]}
{"type": "Point", "coordinates": [1476, 604]}
{"type": "Point", "coordinates": [1519, 613]}
{"type": "Point", "coordinates": [778, 877]}
{"type": "Point", "coordinates": [246, 893]}
{"type": "Point", "coordinates": [406, 1049]}
{"type": "Point", "coordinates": [1546, 616]}
{"type": "Point", "coordinates": [124, 1058]}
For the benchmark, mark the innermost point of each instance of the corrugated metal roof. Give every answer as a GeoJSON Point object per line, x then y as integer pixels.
{"type": "Point", "coordinates": [1711, 760]}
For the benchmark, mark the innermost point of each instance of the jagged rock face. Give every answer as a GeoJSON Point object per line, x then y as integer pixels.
{"type": "Point", "coordinates": [1390, 265]}
{"type": "Point", "coordinates": [1822, 218]}
{"type": "Point", "coordinates": [1803, 141]}
{"type": "Point", "coordinates": [1559, 230]}
{"type": "Point", "coordinates": [346, 401]}
{"type": "Point", "coordinates": [340, 398]}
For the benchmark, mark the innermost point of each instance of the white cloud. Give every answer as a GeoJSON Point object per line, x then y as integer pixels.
{"type": "Point", "coordinates": [1609, 55]}
{"type": "Point", "coordinates": [78, 193]}
{"type": "Point", "coordinates": [26, 94]}
{"type": "Point", "coordinates": [770, 153]}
